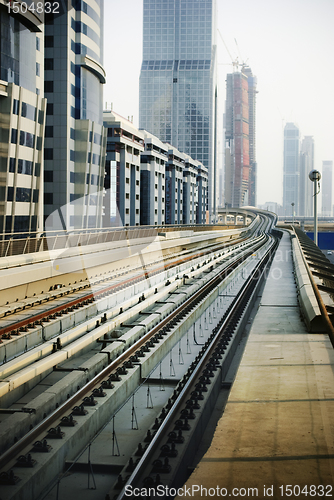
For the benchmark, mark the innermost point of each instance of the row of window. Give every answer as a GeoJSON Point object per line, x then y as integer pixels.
{"type": "Point", "coordinates": [21, 223]}
{"type": "Point", "coordinates": [81, 5]}
{"type": "Point", "coordinates": [24, 167]}
{"type": "Point", "coordinates": [78, 178]}
{"type": "Point", "coordinates": [22, 194]}
{"type": "Point", "coordinates": [28, 111]}
{"type": "Point", "coordinates": [26, 139]}
{"type": "Point", "coordinates": [80, 27]}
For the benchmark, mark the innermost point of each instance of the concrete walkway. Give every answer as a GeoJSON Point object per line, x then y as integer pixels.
{"type": "Point", "coordinates": [276, 436]}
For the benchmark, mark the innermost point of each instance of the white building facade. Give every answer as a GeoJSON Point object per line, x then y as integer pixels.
{"type": "Point", "coordinates": [22, 120]}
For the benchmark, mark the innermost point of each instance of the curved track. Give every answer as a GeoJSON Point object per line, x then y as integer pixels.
{"type": "Point", "coordinates": [108, 379]}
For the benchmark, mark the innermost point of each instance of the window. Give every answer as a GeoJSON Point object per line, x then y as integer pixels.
{"type": "Point", "coordinates": [48, 86]}
{"type": "Point", "coordinates": [49, 108]}
{"type": "Point", "coordinates": [48, 41]}
{"type": "Point", "coordinates": [12, 164]}
{"type": "Point", "coordinates": [75, 113]}
{"type": "Point", "coordinates": [38, 43]}
{"type": "Point", "coordinates": [10, 193]}
{"type": "Point", "coordinates": [28, 111]}
{"type": "Point", "coordinates": [37, 169]}
{"type": "Point", "coordinates": [48, 198]}
{"type": "Point", "coordinates": [48, 64]}
{"type": "Point", "coordinates": [14, 136]}
{"type": "Point", "coordinates": [35, 196]}
{"type": "Point", "coordinates": [38, 69]}
{"type": "Point", "coordinates": [15, 107]}
{"type": "Point", "coordinates": [49, 131]}
{"type": "Point", "coordinates": [48, 175]}
{"type": "Point", "coordinates": [48, 154]}
{"type": "Point", "coordinates": [74, 196]}
{"type": "Point", "coordinates": [72, 155]}
{"type": "Point", "coordinates": [127, 196]}
{"type": "Point", "coordinates": [23, 194]}
{"type": "Point", "coordinates": [127, 211]}
{"type": "Point", "coordinates": [127, 180]}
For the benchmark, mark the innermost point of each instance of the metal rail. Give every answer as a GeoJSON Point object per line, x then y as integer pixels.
{"type": "Point", "coordinates": [42, 427]}
{"type": "Point", "coordinates": [14, 328]}
{"type": "Point", "coordinates": [188, 382]}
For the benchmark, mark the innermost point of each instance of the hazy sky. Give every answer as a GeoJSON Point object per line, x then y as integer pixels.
{"type": "Point", "coordinates": [288, 44]}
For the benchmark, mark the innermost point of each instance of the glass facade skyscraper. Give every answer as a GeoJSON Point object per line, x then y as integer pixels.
{"type": "Point", "coordinates": [22, 119]}
{"type": "Point", "coordinates": [75, 139]}
{"type": "Point", "coordinates": [291, 170]}
{"type": "Point", "coordinates": [178, 89]}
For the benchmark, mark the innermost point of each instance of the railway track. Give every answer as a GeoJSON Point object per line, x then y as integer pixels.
{"type": "Point", "coordinates": [16, 327]}
{"type": "Point", "coordinates": [127, 366]}
{"type": "Point", "coordinates": [159, 466]}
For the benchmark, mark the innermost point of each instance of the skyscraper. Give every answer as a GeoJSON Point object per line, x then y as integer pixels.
{"type": "Point", "coordinates": [239, 188]}
{"type": "Point", "coordinates": [22, 117]}
{"type": "Point", "coordinates": [305, 185]}
{"type": "Point", "coordinates": [252, 83]}
{"type": "Point", "coordinates": [291, 170]}
{"type": "Point", "coordinates": [326, 188]}
{"type": "Point", "coordinates": [75, 140]}
{"type": "Point", "coordinates": [178, 84]}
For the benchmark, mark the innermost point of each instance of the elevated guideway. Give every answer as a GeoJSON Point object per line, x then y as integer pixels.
{"type": "Point", "coordinates": [278, 417]}
{"type": "Point", "coordinates": [275, 437]}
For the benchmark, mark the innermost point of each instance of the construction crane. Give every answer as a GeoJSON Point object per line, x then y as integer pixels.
{"type": "Point", "coordinates": [244, 63]}
{"type": "Point", "coordinates": [235, 62]}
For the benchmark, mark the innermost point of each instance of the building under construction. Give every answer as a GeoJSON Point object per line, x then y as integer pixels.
{"type": "Point", "coordinates": [240, 161]}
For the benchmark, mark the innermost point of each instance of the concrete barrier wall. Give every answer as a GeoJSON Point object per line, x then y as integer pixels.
{"type": "Point", "coordinates": [306, 296]}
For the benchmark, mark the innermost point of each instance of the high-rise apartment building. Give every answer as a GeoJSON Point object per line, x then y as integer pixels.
{"type": "Point", "coordinates": [327, 188]}
{"type": "Point", "coordinates": [22, 117]}
{"type": "Point", "coordinates": [122, 177]}
{"type": "Point", "coordinates": [305, 185]}
{"type": "Point", "coordinates": [178, 82]}
{"type": "Point", "coordinates": [291, 170]}
{"type": "Point", "coordinates": [252, 83]}
{"type": "Point", "coordinates": [237, 162]}
{"type": "Point", "coordinates": [153, 180]}
{"type": "Point", "coordinates": [174, 186]}
{"type": "Point", "coordinates": [75, 139]}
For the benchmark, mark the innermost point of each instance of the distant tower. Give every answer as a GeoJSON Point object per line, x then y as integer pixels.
{"type": "Point", "coordinates": [178, 80]}
{"type": "Point", "coordinates": [252, 82]}
{"type": "Point", "coordinates": [291, 170]}
{"type": "Point", "coordinates": [237, 164]}
{"type": "Point", "coordinates": [305, 185]}
{"type": "Point", "coordinates": [326, 188]}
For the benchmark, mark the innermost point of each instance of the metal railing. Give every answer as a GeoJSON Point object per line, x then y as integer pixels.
{"type": "Point", "coordinates": [23, 243]}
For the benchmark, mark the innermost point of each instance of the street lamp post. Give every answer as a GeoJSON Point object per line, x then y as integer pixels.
{"type": "Point", "coordinates": [315, 177]}
{"type": "Point", "coordinates": [293, 213]}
